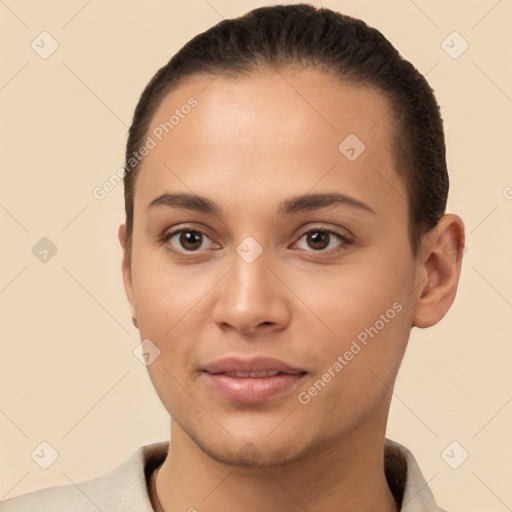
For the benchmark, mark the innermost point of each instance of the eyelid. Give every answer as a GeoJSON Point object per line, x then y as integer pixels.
{"type": "Point", "coordinates": [346, 238]}
{"type": "Point", "coordinates": [335, 230]}
{"type": "Point", "coordinates": [199, 227]}
{"type": "Point", "coordinates": [171, 232]}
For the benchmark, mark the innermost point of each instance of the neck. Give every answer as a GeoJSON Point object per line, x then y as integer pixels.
{"type": "Point", "coordinates": [348, 474]}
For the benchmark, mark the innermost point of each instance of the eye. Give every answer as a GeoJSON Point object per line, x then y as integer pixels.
{"type": "Point", "coordinates": [186, 240]}
{"type": "Point", "coordinates": [190, 240]}
{"type": "Point", "coordinates": [321, 239]}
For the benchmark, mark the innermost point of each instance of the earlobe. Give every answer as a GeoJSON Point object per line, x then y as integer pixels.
{"type": "Point", "coordinates": [440, 266]}
{"type": "Point", "coordinates": [126, 272]}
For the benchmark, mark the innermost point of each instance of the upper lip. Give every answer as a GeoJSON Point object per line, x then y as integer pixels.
{"type": "Point", "coordinates": [256, 364]}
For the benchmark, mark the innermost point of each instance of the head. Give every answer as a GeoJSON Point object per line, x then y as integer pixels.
{"type": "Point", "coordinates": [285, 195]}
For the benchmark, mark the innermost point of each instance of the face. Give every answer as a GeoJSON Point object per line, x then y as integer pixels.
{"type": "Point", "coordinates": [297, 251]}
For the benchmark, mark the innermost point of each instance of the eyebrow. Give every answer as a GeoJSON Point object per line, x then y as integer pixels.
{"type": "Point", "coordinates": [289, 206]}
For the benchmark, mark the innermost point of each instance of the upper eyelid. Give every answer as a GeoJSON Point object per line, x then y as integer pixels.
{"type": "Point", "coordinates": [168, 233]}
{"type": "Point", "coordinates": [172, 232]}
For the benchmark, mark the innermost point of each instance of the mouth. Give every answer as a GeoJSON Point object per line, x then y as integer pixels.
{"type": "Point", "coordinates": [253, 375]}
{"type": "Point", "coordinates": [254, 380]}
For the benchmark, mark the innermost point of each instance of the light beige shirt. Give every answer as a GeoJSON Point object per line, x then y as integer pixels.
{"type": "Point", "coordinates": [125, 489]}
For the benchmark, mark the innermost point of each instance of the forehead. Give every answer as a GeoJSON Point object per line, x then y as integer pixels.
{"type": "Point", "coordinates": [271, 134]}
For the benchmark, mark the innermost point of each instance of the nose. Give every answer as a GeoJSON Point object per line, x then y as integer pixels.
{"type": "Point", "coordinates": [252, 298]}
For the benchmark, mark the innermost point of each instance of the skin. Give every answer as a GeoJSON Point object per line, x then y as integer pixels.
{"type": "Point", "coordinates": [251, 143]}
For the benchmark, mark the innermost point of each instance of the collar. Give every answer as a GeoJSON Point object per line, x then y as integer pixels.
{"type": "Point", "coordinates": [403, 474]}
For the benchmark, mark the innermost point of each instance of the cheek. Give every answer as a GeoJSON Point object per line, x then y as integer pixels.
{"type": "Point", "coordinates": [167, 302]}
{"type": "Point", "coordinates": [364, 317]}
{"type": "Point", "coordinates": [173, 309]}
{"type": "Point", "coordinates": [165, 294]}
{"type": "Point", "coordinates": [350, 298]}
{"type": "Point", "coordinates": [356, 363]}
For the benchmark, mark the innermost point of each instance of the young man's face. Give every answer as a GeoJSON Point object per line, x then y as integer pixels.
{"type": "Point", "coordinates": [258, 280]}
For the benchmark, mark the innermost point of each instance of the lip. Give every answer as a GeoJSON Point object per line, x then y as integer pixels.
{"type": "Point", "coordinates": [252, 389]}
{"type": "Point", "coordinates": [255, 364]}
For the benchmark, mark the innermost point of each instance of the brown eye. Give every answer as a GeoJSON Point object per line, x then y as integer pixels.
{"type": "Point", "coordinates": [318, 240]}
{"type": "Point", "coordinates": [186, 240]}
{"type": "Point", "coordinates": [323, 241]}
{"type": "Point", "coordinates": [190, 240]}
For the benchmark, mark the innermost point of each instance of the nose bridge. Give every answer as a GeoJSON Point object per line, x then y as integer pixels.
{"type": "Point", "coordinates": [251, 295]}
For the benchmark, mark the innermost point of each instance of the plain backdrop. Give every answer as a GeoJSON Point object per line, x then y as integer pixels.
{"type": "Point", "coordinates": [68, 373]}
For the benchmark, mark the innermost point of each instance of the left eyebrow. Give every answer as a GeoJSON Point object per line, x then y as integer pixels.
{"type": "Point", "coordinates": [294, 205]}
{"type": "Point", "coordinates": [317, 201]}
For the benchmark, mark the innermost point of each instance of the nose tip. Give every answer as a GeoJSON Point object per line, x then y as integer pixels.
{"type": "Point", "coordinates": [247, 320]}
{"type": "Point", "coordinates": [250, 299]}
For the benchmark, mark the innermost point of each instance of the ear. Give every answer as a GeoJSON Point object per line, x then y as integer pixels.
{"type": "Point", "coordinates": [439, 268]}
{"type": "Point", "coordinates": [126, 269]}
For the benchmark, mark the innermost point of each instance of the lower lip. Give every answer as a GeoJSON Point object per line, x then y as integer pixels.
{"type": "Point", "coordinates": [253, 389]}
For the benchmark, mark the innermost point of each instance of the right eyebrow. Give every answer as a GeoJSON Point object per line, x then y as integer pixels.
{"type": "Point", "coordinates": [186, 201]}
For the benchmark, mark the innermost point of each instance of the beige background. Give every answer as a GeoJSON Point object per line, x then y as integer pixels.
{"type": "Point", "coordinates": [68, 373]}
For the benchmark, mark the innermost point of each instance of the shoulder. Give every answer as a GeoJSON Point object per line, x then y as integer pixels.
{"type": "Point", "coordinates": [406, 480]}
{"type": "Point", "coordinates": [65, 497]}
{"type": "Point", "coordinates": [123, 489]}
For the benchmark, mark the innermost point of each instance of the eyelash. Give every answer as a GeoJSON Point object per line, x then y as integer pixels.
{"type": "Point", "coordinates": [345, 240]}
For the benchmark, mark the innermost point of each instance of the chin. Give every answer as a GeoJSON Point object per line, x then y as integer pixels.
{"type": "Point", "coordinates": [252, 456]}
{"type": "Point", "coordinates": [249, 448]}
